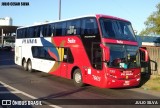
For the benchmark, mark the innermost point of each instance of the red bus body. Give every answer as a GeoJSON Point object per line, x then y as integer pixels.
{"type": "Point", "coordinates": [102, 60]}
{"type": "Point", "coordinates": [105, 78]}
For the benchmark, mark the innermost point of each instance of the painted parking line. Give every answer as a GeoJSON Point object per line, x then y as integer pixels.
{"type": "Point", "coordinates": [25, 94]}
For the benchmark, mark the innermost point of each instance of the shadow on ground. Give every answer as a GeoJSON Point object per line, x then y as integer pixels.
{"type": "Point", "coordinates": [6, 57]}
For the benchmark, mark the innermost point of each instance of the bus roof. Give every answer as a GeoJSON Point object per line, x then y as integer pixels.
{"type": "Point", "coordinates": [95, 15]}
{"type": "Point", "coordinates": [111, 17]}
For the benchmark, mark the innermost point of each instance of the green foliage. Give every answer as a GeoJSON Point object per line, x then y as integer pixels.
{"type": "Point", "coordinates": [153, 23]}
{"type": "Point", "coordinates": [153, 83]}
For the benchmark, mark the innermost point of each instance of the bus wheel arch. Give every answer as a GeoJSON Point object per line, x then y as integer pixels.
{"type": "Point", "coordinates": [29, 65]}
{"type": "Point", "coordinates": [77, 77]}
{"type": "Point", "coordinates": [73, 69]}
{"type": "Point", "coordinates": [24, 64]}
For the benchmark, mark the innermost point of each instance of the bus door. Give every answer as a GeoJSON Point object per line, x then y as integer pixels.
{"type": "Point", "coordinates": [97, 62]}
{"type": "Point", "coordinates": [96, 55]}
{"type": "Point", "coordinates": [18, 55]}
{"type": "Point", "coordinates": [67, 60]}
{"type": "Point", "coordinates": [90, 37]}
{"type": "Point", "coordinates": [63, 61]}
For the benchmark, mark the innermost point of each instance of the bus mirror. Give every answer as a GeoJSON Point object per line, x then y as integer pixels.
{"type": "Point", "coordinates": [106, 51]}
{"type": "Point", "coordinates": [146, 58]}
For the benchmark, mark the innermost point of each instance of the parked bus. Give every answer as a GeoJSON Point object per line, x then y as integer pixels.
{"type": "Point", "coordinates": [99, 50]}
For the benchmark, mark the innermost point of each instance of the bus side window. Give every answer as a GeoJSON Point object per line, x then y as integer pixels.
{"type": "Point", "coordinates": [31, 32]}
{"type": "Point", "coordinates": [41, 52]}
{"type": "Point", "coordinates": [70, 29]}
{"type": "Point", "coordinates": [89, 26]}
{"type": "Point", "coordinates": [35, 51]}
{"type": "Point", "coordinates": [34, 31]}
{"type": "Point", "coordinates": [52, 29]}
{"type": "Point", "coordinates": [49, 32]}
{"type": "Point", "coordinates": [27, 33]}
{"type": "Point", "coordinates": [47, 56]}
{"type": "Point", "coordinates": [24, 33]}
{"type": "Point", "coordinates": [73, 27]}
{"type": "Point", "coordinates": [60, 29]}
{"type": "Point", "coordinates": [19, 33]}
{"type": "Point", "coordinates": [37, 31]}
{"type": "Point", "coordinates": [44, 30]}
{"type": "Point", "coordinates": [68, 57]}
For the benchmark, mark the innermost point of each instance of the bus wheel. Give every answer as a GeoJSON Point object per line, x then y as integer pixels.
{"type": "Point", "coordinates": [29, 66]}
{"type": "Point", "coordinates": [24, 64]}
{"type": "Point", "coordinates": [77, 78]}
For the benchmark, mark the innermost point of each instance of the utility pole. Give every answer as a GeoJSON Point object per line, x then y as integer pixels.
{"type": "Point", "coordinates": [2, 38]}
{"type": "Point", "coordinates": [59, 9]}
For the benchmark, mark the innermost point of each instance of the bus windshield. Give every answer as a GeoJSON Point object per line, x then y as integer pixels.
{"type": "Point", "coordinates": [117, 29]}
{"type": "Point", "coordinates": [123, 56]}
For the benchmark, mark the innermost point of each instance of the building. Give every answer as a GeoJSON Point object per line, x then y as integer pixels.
{"type": "Point", "coordinates": [7, 21]}
{"type": "Point", "coordinates": [7, 30]}
{"type": "Point", "coordinates": [148, 41]}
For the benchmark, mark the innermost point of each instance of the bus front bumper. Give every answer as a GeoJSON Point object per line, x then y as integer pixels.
{"type": "Point", "coordinates": [116, 83]}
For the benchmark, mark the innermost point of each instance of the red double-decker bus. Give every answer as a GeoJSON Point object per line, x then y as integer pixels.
{"type": "Point", "coordinates": [99, 50]}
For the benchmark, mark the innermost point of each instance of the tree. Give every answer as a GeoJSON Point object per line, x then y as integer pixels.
{"type": "Point", "coordinates": [152, 24]}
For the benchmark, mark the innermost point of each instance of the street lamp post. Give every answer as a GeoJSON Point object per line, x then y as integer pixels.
{"type": "Point", "coordinates": [2, 38]}
{"type": "Point", "coordinates": [59, 9]}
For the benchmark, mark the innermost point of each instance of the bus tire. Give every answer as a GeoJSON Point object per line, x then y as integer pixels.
{"type": "Point", "coordinates": [24, 64]}
{"type": "Point", "coordinates": [29, 66]}
{"type": "Point", "coordinates": [77, 78]}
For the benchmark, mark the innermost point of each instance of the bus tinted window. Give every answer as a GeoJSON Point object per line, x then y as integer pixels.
{"type": "Point", "coordinates": [89, 26]}
{"type": "Point", "coordinates": [73, 27]}
{"type": "Point", "coordinates": [40, 52]}
{"type": "Point", "coordinates": [43, 30]}
{"type": "Point", "coordinates": [47, 56]}
{"type": "Point", "coordinates": [117, 29]}
{"type": "Point", "coordinates": [30, 32]}
{"type": "Point", "coordinates": [19, 33]}
{"type": "Point", "coordinates": [46, 30]}
{"type": "Point", "coordinates": [60, 29]}
{"type": "Point", "coordinates": [37, 31]}
{"type": "Point", "coordinates": [68, 57]}
{"type": "Point", "coordinates": [49, 30]}
{"type": "Point", "coordinates": [52, 29]}
{"type": "Point", "coordinates": [35, 52]}
{"type": "Point", "coordinates": [24, 33]}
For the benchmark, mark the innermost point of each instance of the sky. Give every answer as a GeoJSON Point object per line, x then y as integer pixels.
{"type": "Point", "coordinates": [136, 11]}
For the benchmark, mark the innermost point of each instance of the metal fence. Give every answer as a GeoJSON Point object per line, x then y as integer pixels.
{"type": "Point", "coordinates": [154, 54]}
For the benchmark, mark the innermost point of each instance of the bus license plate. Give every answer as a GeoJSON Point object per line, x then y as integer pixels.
{"type": "Point", "coordinates": [126, 83]}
